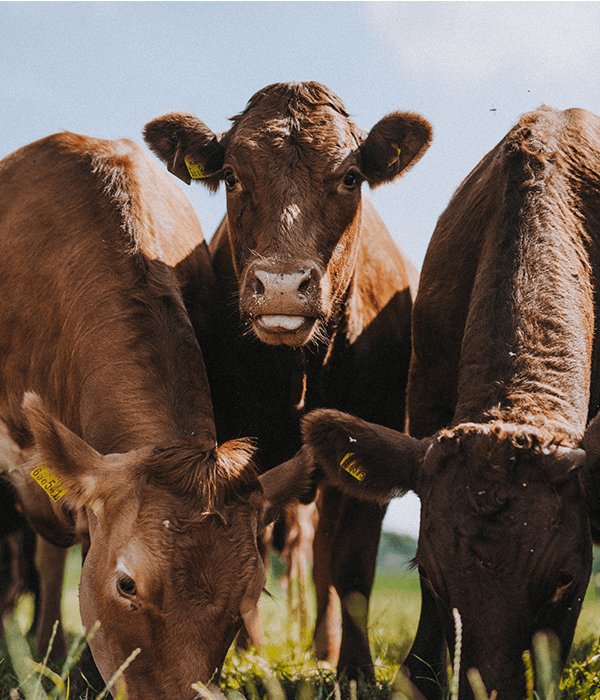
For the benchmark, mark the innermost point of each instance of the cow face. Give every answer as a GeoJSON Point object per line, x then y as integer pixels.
{"type": "Point", "coordinates": [172, 565]}
{"type": "Point", "coordinates": [293, 164]}
{"type": "Point", "coordinates": [504, 536]}
{"type": "Point", "coordinates": [504, 539]}
{"type": "Point", "coordinates": [164, 577]}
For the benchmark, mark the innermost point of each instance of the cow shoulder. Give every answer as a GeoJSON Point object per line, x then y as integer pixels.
{"type": "Point", "coordinates": [166, 224]}
{"type": "Point", "coordinates": [383, 274]}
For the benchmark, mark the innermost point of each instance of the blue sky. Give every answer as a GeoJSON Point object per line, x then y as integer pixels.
{"type": "Point", "coordinates": [472, 68]}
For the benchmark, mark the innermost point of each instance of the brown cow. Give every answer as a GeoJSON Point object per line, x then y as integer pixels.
{"type": "Point", "coordinates": [504, 379]}
{"type": "Point", "coordinates": [108, 426]}
{"type": "Point", "coordinates": [320, 283]}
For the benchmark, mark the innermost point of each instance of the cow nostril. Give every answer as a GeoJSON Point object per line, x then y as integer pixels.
{"type": "Point", "coordinates": [257, 286]}
{"type": "Point", "coordinates": [303, 287]}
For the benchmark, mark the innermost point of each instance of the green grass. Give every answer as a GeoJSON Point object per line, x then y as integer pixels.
{"type": "Point", "coordinates": [285, 668]}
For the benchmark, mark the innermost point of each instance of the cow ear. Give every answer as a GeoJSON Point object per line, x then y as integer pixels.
{"type": "Point", "coordinates": [363, 459]}
{"type": "Point", "coordinates": [73, 469]}
{"type": "Point", "coordinates": [289, 482]}
{"type": "Point", "coordinates": [393, 145]}
{"type": "Point", "coordinates": [190, 150]}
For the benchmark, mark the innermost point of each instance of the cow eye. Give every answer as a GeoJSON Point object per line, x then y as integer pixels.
{"type": "Point", "coordinates": [230, 179]}
{"type": "Point", "coordinates": [126, 586]}
{"type": "Point", "coordinates": [351, 179]}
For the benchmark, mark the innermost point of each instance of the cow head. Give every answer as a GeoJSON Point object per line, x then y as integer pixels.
{"type": "Point", "coordinates": [504, 534]}
{"type": "Point", "coordinates": [172, 565]}
{"type": "Point", "coordinates": [293, 164]}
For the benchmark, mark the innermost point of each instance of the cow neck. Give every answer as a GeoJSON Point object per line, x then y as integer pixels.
{"type": "Point", "coordinates": [336, 324]}
{"type": "Point", "coordinates": [302, 366]}
{"type": "Point", "coordinates": [141, 376]}
{"type": "Point", "coordinates": [527, 343]}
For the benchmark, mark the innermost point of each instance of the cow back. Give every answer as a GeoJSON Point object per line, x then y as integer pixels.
{"type": "Point", "coordinates": [91, 232]}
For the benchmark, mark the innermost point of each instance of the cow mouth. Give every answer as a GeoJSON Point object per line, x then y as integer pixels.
{"type": "Point", "coordinates": [281, 323]}
{"type": "Point", "coordinates": [283, 329]}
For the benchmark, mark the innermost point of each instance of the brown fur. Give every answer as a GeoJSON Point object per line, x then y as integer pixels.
{"type": "Point", "coordinates": [503, 382]}
{"type": "Point", "coordinates": [300, 242]}
{"type": "Point", "coordinates": [102, 381]}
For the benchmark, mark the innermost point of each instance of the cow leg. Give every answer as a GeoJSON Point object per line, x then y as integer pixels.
{"type": "Point", "coordinates": [426, 661]}
{"type": "Point", "coordinates": [11, 583]}
{"type": "Point", "coordinates": [354, 562]}
{"type": "Point", "coordinates": [251, 632]}
{"type": "Point", "coordinates": [328, 623]}
{"type": "Point", "coordinates": [50, 562]}
{"type": "Point", "coordinates": [31, 577]}
{"type": "Point", "coordinates": [300, 521]}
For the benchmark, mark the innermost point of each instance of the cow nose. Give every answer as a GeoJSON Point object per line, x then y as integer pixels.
{"type": "Point", "coordinates": [283, 284]}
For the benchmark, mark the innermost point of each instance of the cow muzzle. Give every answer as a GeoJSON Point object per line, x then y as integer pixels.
{"type": "Point", "coordinates": [282, 305]}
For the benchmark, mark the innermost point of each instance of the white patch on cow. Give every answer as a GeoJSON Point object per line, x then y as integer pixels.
{"type": "Point", "coordinates": [281, 126]}
{"type": "Point", "coordinates": [289, 215]}
{"type": "Point", "coordinates": [121, 568]}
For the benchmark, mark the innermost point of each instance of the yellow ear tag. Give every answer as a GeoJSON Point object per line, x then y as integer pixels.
{"type": "Point", "coordinates": [195, 170]}
{"type": "Point", "coordinates": [51, 484]}
{"type": "Point", "coordinates": [353, 467]}
{"type": "Point", "coordinates": [397, 158]}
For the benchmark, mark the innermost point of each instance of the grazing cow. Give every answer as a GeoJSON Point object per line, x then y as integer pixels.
{"type": "Point", "coordinates": [323, 301]}
{"type": "Point", "coordinates": [108, 428]}
{"type": "Point", "coordinates": [504, 381]}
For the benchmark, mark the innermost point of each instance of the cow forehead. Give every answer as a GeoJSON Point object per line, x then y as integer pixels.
{"type": "Point", "coordinates": [325, 134]}
{"type": "Point", "coordinates": [499, 541]}
{"type": "Point", "coordinates": [501, 489]}
{"type": "Point", "coordinates": [170, 553]}
{"type": "Point", "coordinates": [160, 522]}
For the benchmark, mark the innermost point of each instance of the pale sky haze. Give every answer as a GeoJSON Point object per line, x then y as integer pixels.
{"type": "Point", "coordinates": [472, 68]}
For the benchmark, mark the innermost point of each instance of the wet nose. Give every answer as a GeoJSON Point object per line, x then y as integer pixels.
{"type": "Point", "coordinates": [276, 284]}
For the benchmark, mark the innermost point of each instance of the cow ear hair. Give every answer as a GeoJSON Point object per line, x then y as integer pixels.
{"type": "Point", "coordinates": [363, 459]}
{"type": "Point", "coordinates": [189, 149]}
{"type": "Point", "coordinates": [64, 456]}
{"type": "Point", "coordinates": [289, 482]}
{"type": "Point", "coordinates": [394, 145]}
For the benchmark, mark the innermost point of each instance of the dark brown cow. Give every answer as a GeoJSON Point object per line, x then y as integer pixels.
{"type": "Point", "coordinates": [504, 379]}
{"type": "Point", "coordinates": [104, 400]}
{"type": "Point", "coordinates": [320, 283]}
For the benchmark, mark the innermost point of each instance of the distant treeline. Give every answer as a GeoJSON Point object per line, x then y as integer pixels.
{"type": "Point", "coordinates": [396, 553]}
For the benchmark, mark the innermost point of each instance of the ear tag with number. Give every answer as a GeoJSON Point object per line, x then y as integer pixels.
{"type": "Point", "coordinates": [51, 484]}
{"type": "Point", "coordinates": [196, 170]}
{"type": "Point", "coordinates": [352, 466]}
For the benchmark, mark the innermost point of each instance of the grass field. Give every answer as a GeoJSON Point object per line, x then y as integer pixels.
{"type": "Point", "coordinates": [285, 667]}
